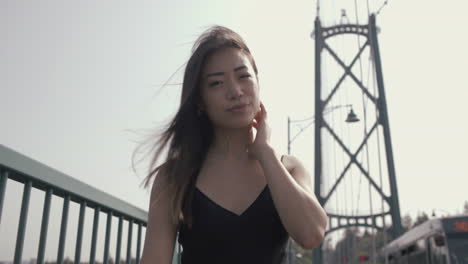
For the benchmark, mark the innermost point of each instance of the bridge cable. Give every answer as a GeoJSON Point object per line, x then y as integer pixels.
{"type": "Point", "coordinates": [370, 174]}
{"type": "Point", "coordinates": [364, 104]}
{"type": "Point", "coordinates": [348, 136]}
{"type": "Point", "coordinates": [360, 67]}
{"type": "Point", "coordinates": [340, 195]}
{"type": "Point", "coordinates": [335, 172]}
{"type": "Point", "coordinates": [368, 9]}
{"type": "Point", "coordinates": [380, 9]}
{"type": "Point", "coordinates": [347, 178]}
{"type": "Point", "coordinates": [348, 209]}
{"type": "Point", "coordinates": [317, 8]}
{"type": "Point", "coordinates": [327, 139]}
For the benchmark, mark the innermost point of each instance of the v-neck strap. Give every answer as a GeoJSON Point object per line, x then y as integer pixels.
{"type": "Point", "coordinates": [216, 204]}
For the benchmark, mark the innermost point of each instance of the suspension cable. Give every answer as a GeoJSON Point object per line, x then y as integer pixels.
{"type": "Point", "coordinates": [370, 174]}
{"type": "Point", "coordinates": [318, 8]}
{"type": "Point", "coordinates": [360, 74]}
{"type": "Point", "coordinates": [346, 99]}
{"type": "Point", "coordinates": [344, 183]}
{"type": "Point", "coordinates": [380, 9]}
{"type": "Point", "coordinates": [336, 196]}
{"type": "Point", "coordinates": [364, 104]}
{"type": "Point", "coordinates": [348, 180]}
{"type": "Point", "coordinates": [341, 250]}
{"type": "Point", "coordinates": [368, 9]}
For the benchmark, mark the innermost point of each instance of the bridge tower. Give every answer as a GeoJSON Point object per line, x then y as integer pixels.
{"type": "Point", "coordinates": [357, 156]}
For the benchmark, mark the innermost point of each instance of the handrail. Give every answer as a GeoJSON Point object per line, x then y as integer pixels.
{"type": "Point", "coordinates": [33, 174]}
{"type": "Point", "coordinates": [23, 168]}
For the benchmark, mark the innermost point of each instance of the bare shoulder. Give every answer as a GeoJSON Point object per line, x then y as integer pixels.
{"type": "Point", "coordinates": [297, 170]}
{"type": "Point", "coordinates": [160, 183]}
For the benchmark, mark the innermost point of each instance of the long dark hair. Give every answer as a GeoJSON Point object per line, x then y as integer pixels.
{"type": "Point", "coordinates": [190, 133]}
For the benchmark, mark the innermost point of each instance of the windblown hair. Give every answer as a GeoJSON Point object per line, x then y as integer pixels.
{"type": "Point", "coordinates": [189, 134]}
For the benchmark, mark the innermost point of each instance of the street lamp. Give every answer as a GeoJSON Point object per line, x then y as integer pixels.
{"type": "Point", "coordinates": [351, 118]}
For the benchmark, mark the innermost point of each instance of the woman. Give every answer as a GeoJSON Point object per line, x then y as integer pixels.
{"type": "Point", "coordinates": [223, 187]}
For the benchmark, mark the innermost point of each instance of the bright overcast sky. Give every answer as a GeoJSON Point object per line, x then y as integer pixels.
{"type": "Point", "coordinates": [81, 80]}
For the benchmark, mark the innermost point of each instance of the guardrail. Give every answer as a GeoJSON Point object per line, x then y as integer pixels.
{"type": "Point", "coordinates": [32, 174]}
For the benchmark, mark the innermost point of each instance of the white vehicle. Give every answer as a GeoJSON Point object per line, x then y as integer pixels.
{"type": "Point", "coordinates": [441, 240]}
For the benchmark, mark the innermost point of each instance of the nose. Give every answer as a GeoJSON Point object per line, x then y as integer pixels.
{"type": "Point", "coordinates": [234, 90]}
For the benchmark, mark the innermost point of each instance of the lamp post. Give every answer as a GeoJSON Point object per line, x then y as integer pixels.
{"type": "Point", "coordinates": [351, 118]}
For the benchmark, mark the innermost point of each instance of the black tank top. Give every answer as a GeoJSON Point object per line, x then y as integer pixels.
{"type": "Point", "coordinates": [221, 236]}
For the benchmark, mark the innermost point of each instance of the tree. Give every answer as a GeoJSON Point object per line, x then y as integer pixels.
{"type": "Point", "coordinates": [407, 222]}
{"type": "Point", "coordinates": [346, 248]}
{"type": "Point", "coordinates": [421, 218]}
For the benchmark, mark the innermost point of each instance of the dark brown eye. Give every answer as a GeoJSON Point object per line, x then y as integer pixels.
{"type": "Point", "coordinates": [245, 75]}
{"type": "Point", "coordinates": [214, 83]}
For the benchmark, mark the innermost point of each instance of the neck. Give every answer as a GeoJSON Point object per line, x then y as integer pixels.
{"type": "Point", "coordinates": [230, 144]}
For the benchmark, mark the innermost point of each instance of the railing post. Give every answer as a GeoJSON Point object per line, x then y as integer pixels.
{"type": "Point", "coordinates": [3, 183]}
{"type": "Point", "coordinates": [92, 256]}
{"type": "Point", "coordinates": [63, 229]}
{"type": "Point", "coordinates": [138, 249]}
{"type": "Point", "coordinates": [129, 241]}
{"type": "Point", "coordinates": [44, 226]}
{"type": "Point", "coordinates": [22, 222]}
{"type": "Point", "coordinates": [107, 242]}
{"type": "Point", "coordinates": [119, 240]}
{"type": "Point", "coordinates": [79, 235]}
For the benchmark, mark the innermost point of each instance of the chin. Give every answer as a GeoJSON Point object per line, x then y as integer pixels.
{"type": "Point", "coordinates": [236, 123]}
{"type": "Point", "coordinates": [233, 121]}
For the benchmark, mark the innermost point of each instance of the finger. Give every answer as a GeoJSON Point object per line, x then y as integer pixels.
{"type": "Point", "coordinates": [251, 136]}
{"type": "Point", "coordinates": [263, 110]}
{"type": "Point", "coordinates": [255, 123]}
{"type": "Point", "coordinates": [258, 114]}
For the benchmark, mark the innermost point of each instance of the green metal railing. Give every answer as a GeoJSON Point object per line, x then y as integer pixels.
{"type": "Point", "coordinates": [32, 174]}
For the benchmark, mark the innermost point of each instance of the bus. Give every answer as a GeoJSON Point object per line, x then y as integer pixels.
{"type": "Point", "coordinates": [436, 241]}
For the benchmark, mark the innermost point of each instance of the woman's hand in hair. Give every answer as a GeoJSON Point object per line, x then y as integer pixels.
{"type": "Point", "coordinates": [261, 141]}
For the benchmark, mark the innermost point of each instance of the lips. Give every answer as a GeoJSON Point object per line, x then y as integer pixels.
{"type": "Point", "coordinates": [237, 107]}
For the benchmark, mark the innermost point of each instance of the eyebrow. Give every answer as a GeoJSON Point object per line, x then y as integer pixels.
{"type": "Point", "coordinates": [222, 73]}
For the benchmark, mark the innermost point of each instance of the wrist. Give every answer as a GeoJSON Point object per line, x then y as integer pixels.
{"type": "Point", "coordinates": [266, 152]}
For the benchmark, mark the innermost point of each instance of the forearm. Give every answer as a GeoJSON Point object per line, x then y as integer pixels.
{"type": "Point", "coordinates": [299, 210]}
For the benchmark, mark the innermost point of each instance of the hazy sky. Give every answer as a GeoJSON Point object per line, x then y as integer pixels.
{"type": "Point", "coordinates": [81, 81]}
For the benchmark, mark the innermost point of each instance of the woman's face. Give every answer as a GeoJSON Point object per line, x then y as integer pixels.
{"type": "Point", "coordinates": [229, 89]}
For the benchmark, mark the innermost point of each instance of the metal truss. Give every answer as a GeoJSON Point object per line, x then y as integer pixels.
{"type": "Point", "coordinates": [338, 221]}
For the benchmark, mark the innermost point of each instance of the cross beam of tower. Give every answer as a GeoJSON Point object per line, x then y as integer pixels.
{"type": "Point", "coordinates": [323, 100]}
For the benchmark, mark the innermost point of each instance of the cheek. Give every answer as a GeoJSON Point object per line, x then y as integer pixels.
{"type": "Point", "coordinates": [256, 98]}
{"type": "Point", "coordinates": [212, 104]}
{"type": "Point", "coordinates": [207, 97]}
